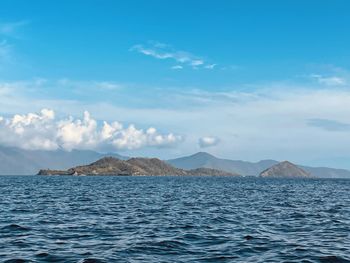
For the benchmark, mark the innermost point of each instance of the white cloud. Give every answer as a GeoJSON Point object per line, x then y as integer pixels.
{"type": "Point", "coordinates": [329, 81]}
{"type": "Point", "coordinates": [43, 131]}
{"type": "Point", "coordinates": [197, 62]}
{"type": "Point", "coordinates": [177, 67]}
{"type": "Point", "coordinates": [208, 141]}
{"type": "Point", "coordinates": [210, 66]}
{"type": "Point", "coordinates": [164, 51]}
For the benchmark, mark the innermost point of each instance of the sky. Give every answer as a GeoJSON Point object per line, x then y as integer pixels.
{"type": "Point", "coordinates": [245, 80]}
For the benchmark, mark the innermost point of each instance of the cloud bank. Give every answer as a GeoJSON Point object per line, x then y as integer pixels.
{"type": "Point", "coordinates": [279, 121]}
{"type": "Point", "coordinates": [42, 131]}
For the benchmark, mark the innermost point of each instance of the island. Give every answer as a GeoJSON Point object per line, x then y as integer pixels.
{"type": "Point", "coordinates": [134, 167]}
{"type": "Point", "coordinates": [285, 170]}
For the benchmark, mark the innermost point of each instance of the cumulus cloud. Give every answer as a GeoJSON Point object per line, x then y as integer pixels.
{"type": "Point", "coordinates": [43, 131]}
{"type": "Point", "coordinates": [267, 120]}
{"type": "Point", "coordinates": [164, 51]}
{"type": "Point", "coordinates": [208, 141]}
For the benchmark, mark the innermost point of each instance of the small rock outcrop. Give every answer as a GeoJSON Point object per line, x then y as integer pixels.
{"type": "Point", "coordinates": [285, 170]}
{"type": "Point", "coordinates": [55, 172]}
{"type": "Point", "coordinates": [134, 166]}
{"type": "Point", "coordinates": [211, 172]}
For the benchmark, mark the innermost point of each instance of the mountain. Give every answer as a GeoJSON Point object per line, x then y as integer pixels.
{"type": "Point", "coordinates": [285, 170]}
{"type": "Point", "coordinates": [15, 161]}
{"type": "Point", "coordinates": [203, 159]}
{"type": "Point", "coordinates": [133, 166]}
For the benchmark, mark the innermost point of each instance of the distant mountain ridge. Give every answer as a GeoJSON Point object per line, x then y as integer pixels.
{"type": "Point", "coordinates": [15, 161]}
{"type": "Point", "coordinates": [135, 167]}
{"type": "Point", "coordinates": [203, 159]}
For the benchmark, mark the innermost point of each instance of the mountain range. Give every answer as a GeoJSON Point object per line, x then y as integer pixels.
{"type": "Point", "coordinates": [203, 159]}
{"type": "Point", "coordinates": [15, 161]}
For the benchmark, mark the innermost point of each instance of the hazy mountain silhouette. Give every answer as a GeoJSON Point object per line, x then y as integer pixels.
{"type": "Point", "coordinates": [203, 159]}
{"type": "Point", "coordinates": [15, 161]}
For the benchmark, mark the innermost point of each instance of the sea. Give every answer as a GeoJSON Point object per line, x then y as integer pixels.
{"type": "Point", "coordinates": [173, 219]}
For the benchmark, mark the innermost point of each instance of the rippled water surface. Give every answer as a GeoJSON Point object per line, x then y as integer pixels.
{"type": "Point", "coordinates": [173, 219]}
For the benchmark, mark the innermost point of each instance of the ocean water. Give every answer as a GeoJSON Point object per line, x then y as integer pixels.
{"type": "Point", "coordinates": [173, 219]}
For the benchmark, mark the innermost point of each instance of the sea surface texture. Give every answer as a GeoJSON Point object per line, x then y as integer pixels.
{"type": "Point", "coordinates": [173, 219]}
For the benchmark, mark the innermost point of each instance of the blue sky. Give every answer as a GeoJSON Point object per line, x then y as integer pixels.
{"type": "Point", "coordinates": [240, 79]}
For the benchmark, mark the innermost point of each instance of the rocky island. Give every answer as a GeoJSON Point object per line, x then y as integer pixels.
{"type": "Point", "coordinates": [134, 166]}
{"type": "Point", "coordinates": [285, 170]}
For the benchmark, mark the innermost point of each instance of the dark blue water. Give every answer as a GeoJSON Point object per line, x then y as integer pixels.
{"type": "Point", "coordinates": [173, 219]}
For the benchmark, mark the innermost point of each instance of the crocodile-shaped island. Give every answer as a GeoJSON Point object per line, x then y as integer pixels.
{"type": "Point", "coordinates": [134, 166]}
